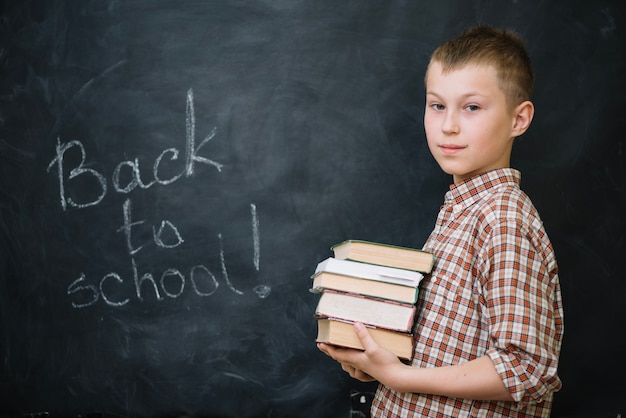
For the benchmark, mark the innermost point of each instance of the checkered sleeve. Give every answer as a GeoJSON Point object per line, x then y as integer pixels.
{"type": "Point", "coordinates": [521, 301]}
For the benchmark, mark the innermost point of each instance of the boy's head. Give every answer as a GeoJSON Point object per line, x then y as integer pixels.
{"type": "Point", "coordinates": [478, 87]}
{"type": "Point", "coordinates": [487, 46]}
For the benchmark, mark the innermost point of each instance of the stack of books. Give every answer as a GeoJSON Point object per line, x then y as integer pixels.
{"type": "Point", "coordinates": [375, 284]}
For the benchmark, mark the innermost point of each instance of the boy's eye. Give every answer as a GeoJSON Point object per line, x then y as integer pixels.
{"type": "Point", "coordinates": [472, 108]}
{"type": "Point", "coordinates": [437, 106]}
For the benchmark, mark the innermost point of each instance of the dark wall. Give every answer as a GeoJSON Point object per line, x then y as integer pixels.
{"type": "Point", "coordinates": [171, 173]}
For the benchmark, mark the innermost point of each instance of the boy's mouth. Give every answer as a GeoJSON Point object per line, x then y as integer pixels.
{"type": "Point", "coordinates": [450, 149]}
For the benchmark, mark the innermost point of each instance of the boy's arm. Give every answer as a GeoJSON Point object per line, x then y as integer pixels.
{"type": "Point", "coordinates": [477, 379]}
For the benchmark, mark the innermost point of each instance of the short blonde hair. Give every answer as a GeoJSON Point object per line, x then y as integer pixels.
{"type": "Point", "coordinates": [501, 48]}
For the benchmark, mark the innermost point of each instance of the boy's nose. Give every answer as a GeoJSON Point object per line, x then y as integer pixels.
{"type": "Point", "coordinates": [450, 124]}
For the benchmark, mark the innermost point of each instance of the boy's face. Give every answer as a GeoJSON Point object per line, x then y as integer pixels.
{"type": "Point", "coordinates": [469, 127]}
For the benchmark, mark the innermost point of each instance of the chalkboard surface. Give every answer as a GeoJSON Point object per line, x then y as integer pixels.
{"type": "Point", "coordinates": [171, 173]}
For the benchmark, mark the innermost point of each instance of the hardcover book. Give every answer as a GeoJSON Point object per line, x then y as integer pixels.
{"type": "Point", "coordinates": [370, 311]}
{"type": "Point", "coordinates": [341, 333]}
{"type": "Point", "coordinates": [367, 287]}
{"type": "Point", "coordinates": [384, 254]}
{"type": "Point", "coordinates": [370, 271]}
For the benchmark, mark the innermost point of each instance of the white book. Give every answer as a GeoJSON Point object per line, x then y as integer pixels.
{"type": "Point", "coordinates": [370, 271]}
{"type": "Point", "coordinates": [374, 312]}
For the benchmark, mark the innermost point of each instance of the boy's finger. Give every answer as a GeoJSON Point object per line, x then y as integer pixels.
{"type": "Point", "coordinates": [322, 348]}
{"type": "Point", "coordinates": [365, 337]}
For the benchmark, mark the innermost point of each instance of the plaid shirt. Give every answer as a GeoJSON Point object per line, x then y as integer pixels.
{"type": "Point", "coordinates": [494, 291]}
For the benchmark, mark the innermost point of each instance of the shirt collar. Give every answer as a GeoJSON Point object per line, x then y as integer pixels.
{"type": "Point", "coordinates": [475, 188]}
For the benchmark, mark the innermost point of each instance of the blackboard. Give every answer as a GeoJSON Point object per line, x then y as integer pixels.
{"type": "Point", "coordinates": [171, 173]}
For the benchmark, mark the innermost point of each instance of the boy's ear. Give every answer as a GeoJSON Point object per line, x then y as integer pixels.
{"type": "Point", "coordinates": [523, 114]}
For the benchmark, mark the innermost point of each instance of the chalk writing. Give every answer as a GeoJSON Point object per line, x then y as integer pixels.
{"type": "Point", "coordinates": [112, 288]}
{"type": "Point", "coordinates": [255, 237]}
{"type": "Point", "coordinates": [191, 158]}
{"type": "Point", "coordinates": [157, 234]}
{"type": "Point", "coordinates": [61, 149]}
{"type": "Point", "coordinates": [203, 282]}
{"type": "Point", "coordinates": [191, 150]}
{"type": "Point", "coordinates": [262, 291]}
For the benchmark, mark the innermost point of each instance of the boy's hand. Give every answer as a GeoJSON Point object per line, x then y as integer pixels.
{"type": "Point", "coordinates": [374, 363]}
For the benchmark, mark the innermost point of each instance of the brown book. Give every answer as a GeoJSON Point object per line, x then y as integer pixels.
{"type": "Point", "coordinates": [392, 291]}
{"type": "Point", "coordinates": [385, 255]}
{"type": "Point", "coordinates": [341, 333]}
{"type": "Point", "coordinates": [373, 312]}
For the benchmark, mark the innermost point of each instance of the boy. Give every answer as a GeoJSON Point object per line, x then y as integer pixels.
{"type": "Point", "coordinates": [490, 316]}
